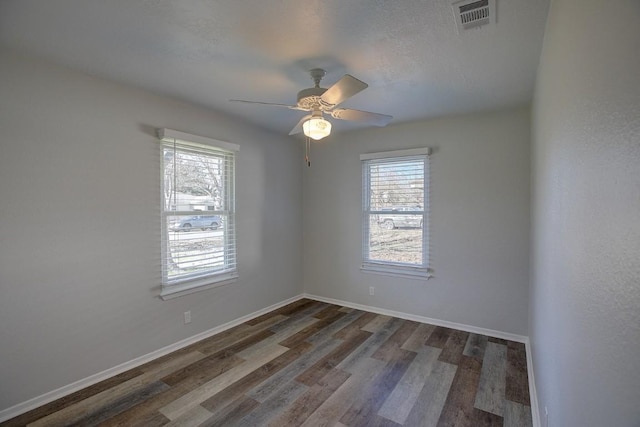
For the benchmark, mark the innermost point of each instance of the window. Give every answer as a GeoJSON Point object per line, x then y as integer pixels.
{"type": "Point", "coordinates": [198, 213]}
{"type": "Point", "coordinates": [395, 212]}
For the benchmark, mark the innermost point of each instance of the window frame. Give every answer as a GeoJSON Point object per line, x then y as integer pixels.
{"type": "Point", "coordinates": [391, 268]}
{"type": "Point", "coordinates": [172, 288]}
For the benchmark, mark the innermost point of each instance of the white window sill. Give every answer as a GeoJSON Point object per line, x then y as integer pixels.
{"type": "Point", "coordinates": [397, 271]}
{"type": "Point", "coordinates": [174, 291]}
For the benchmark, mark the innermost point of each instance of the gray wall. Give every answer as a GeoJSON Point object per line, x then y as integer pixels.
{"type": "Point", "coordinates": [480, 220]}
{"type": "Point", "coordinates": [80, 222]}
{"type": "Point", "coordinates": [585, 288]}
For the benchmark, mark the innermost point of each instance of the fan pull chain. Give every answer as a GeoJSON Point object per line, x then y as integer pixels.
{"type": "Point", "coordinates": [307, 147]}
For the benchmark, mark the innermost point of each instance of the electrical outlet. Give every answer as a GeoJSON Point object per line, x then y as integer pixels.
{"type": "Point", "coordinates": [187, 317]}
{"type": "Point", "coordinates": [372, 290]}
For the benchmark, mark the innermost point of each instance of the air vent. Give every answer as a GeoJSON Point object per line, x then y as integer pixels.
{"type": "Point", "coordinates": [474, 13]}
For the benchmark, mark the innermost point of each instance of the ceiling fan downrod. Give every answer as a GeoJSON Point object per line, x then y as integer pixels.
{"type": "Point", "coordinates": [316, 75]}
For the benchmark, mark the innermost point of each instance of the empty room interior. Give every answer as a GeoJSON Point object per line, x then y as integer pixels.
{"type": "Point", "coordinates": [276, 212]}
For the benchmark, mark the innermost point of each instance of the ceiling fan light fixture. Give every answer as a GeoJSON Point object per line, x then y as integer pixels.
{"type": "Point", "coordinates": [316, 128]}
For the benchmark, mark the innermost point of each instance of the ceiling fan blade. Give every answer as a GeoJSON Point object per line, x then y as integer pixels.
{"type": "Point", "coordinates": [344, 88]}
{"type": "Point", "coordinates": [291, 107]}
{"type": "Point", "coordinates": [298, 128]}
{"type": "Point", "coordinates": [361, 116]}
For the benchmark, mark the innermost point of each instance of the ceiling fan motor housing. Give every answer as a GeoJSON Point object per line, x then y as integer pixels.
{"type": "Point", "coordinates": [309, 99]}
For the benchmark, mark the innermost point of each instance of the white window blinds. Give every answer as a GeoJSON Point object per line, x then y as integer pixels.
{"type": "Point", "coordinates": [198, 211]}
{"type": "Point", "coordinates": [396, 212]}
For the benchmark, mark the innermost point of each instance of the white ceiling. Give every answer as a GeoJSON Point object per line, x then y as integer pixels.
{"type": "Point", "coordinates": [208, 51]}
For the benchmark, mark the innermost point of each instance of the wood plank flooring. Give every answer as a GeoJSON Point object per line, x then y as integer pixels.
{"type": "Point", "coordinates": [313, 364]}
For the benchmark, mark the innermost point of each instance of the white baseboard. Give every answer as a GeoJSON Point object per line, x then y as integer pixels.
{"type": "Point", "coordinates": [533, 394]}
{"type": "Point", "coordinates": [48, 397]}
{"type": "Point", "coordinates": [422, 319]}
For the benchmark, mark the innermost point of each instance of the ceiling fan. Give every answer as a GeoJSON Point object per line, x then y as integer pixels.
{"type": "Point", "coordinates": [319, 101]}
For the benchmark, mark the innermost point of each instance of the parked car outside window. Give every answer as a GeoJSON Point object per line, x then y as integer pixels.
{"type": "Point", "coordinates": [202, 222]}
{"type": "Point", "coordinates": [394, 219]}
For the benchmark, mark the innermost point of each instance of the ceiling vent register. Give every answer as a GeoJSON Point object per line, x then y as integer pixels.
{"type": "Point", "coordinates": [474, 13]}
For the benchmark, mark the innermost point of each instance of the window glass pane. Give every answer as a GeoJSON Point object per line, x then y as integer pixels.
{"type": "Point", "coordinates": [395, 245]}
{"type": "Point", "coordinates": [395, 184]}
{"type": "Point", "coordinates": [195, 246]}
{"type": "Point", "coordinates": [193, 181]}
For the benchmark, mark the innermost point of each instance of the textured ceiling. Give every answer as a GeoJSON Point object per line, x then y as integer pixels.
{"type": "Point", "coordinates": [206, 51]}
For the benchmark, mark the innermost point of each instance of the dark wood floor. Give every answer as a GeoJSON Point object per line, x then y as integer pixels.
{"type": "Point", "coordinates": [313, 364]}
